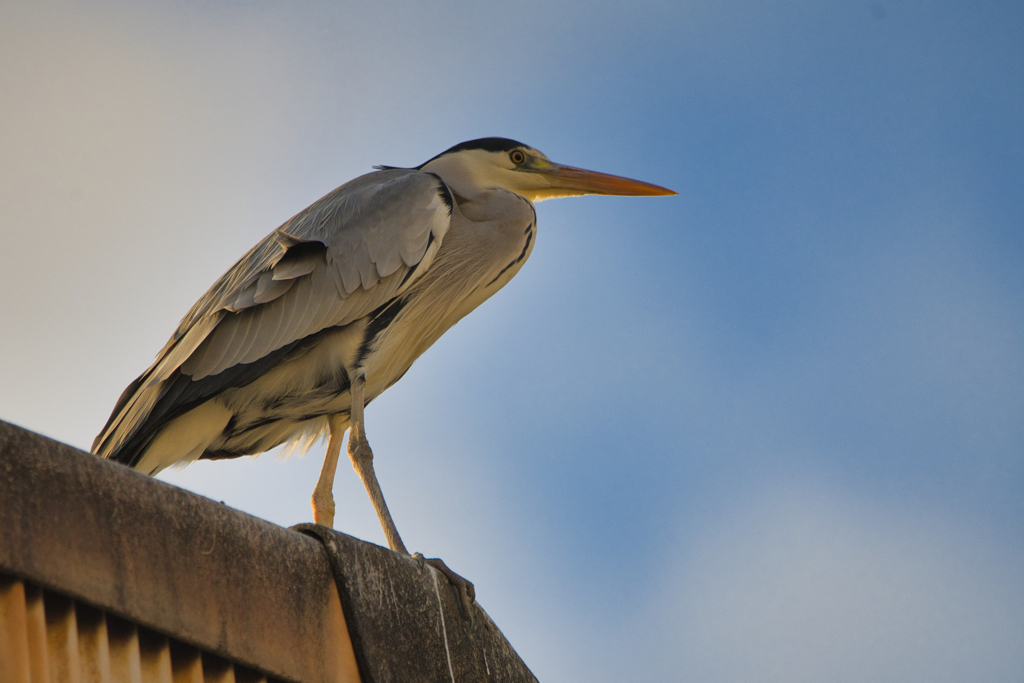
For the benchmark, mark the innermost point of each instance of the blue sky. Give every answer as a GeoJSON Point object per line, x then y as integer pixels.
{"type": "Point", "coordinates": [768, 430]}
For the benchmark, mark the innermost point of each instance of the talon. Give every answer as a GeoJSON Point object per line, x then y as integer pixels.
{"type": "Point", "coordinates": [467, 591]}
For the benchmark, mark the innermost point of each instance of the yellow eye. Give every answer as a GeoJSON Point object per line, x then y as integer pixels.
{"type": "Point", "coordinates": [517, 156]}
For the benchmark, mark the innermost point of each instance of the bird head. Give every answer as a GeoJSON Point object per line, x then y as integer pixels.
{"type": "Point", "coordinates": [499, 163]}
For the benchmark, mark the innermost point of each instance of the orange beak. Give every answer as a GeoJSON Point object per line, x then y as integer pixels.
{"type": "Point", "coordinates": [567, 181]}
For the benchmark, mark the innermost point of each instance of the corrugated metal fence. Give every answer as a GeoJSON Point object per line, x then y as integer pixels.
{"type": "Point", "coordinates": [48, 638]}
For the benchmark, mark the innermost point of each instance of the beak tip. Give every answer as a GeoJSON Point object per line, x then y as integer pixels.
{"type": "Point", "coordinates": [658, 191]}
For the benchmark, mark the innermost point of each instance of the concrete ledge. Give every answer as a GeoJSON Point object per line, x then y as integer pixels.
{"type": "Point", "coordinates": [167, 559]}
{"type": "Point", "coordinates": [233, 585]}
{"type": "Point", "coordinates": [409, 624]}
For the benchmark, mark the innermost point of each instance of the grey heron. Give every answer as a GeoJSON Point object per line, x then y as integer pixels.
{"type": "Point", "coordinates": [334, 306]}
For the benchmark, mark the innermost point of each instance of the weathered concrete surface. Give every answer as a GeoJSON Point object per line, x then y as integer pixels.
{"type": "Point", "coordinates": [177, 563]}
{"type": "Point", "coordinates": [408, 623]}
{"type": "Point", "coordinates": [232, 584]}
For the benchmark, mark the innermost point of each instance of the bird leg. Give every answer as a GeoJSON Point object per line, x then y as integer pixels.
{"type": "Point", "coordinates": [323, 495]}
{"type": "Point", "coordinates": [362, 461]}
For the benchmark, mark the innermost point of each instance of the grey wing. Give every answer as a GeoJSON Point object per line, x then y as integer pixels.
{"type": "Point", "coordinates": [346, 255]}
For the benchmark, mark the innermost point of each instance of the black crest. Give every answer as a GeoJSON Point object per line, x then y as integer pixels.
{"type": "Point", "coordinates": [486, 144]}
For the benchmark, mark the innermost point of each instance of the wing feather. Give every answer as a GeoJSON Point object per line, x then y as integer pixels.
{"type": "Point", "coordinates": [241, 341]}
{"type": "Point", "coordinates": [349, 270]}
{"type": "Point", "coordinates": [295, 264]}
{"type": "Point", "coordinates": [172, 358]}
{"type": "Point", "coordinates": [214, 349]}
{"type": "Point", "coordinates": [271, 323]}
{"type": "Point", "coordinates": [269, 288]}
{"type": "Point", "coordinates": [322, 298]}
{"type": "Point", "coordinates": [333, 263]}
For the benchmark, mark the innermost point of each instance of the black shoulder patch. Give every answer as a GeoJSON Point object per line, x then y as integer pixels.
{"type": "Point", "coordinates": [445, 193]}
{"type": "Point", "coordinates": [379, 321]}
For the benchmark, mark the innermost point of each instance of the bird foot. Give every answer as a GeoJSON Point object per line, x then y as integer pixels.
{"type": "Point", "coordinates": [467, 592]}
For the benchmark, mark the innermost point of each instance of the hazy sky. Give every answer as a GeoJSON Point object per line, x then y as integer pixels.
{"type": "Point", "coordinates": [771, 429]}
